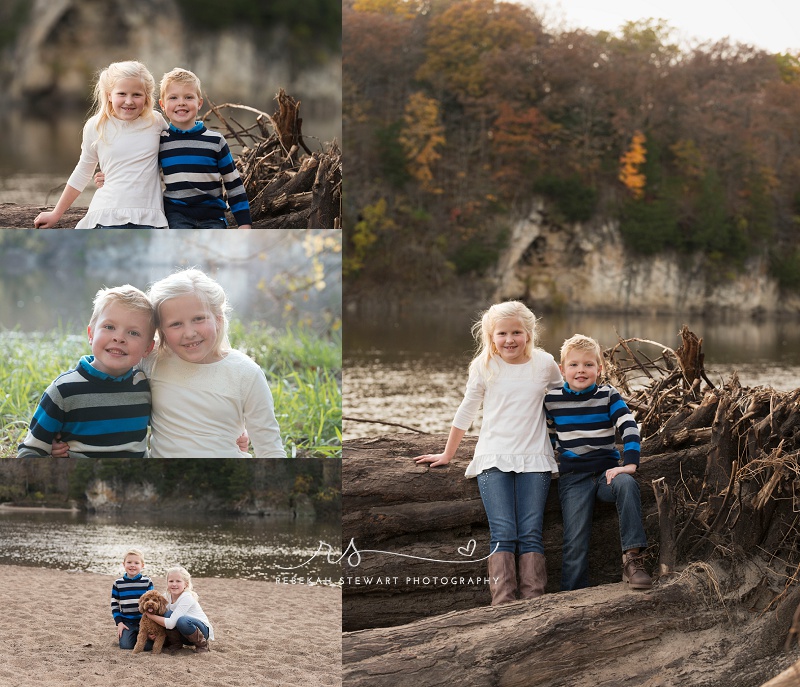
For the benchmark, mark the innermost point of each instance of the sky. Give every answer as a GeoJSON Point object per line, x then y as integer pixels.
{"type": "Point", "coordinates": [773, 25]}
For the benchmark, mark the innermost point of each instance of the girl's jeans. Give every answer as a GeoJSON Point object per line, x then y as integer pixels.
{"type": "Point", "coordinates": [186, 625]}
{"type": "Point", "coordinates": [578, 492]}
{"type": "Point", "coordinates": [514, 503]}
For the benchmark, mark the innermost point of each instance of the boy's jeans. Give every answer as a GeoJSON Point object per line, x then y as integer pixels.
{"type": "Point", "coordinates": [514, 503]}
{"type": "Point", "coordinates": [127, 639]}
{"type": "Point", "coordinates": [177, 220]}
{"type": "Point", "coordinates": [578, 491]}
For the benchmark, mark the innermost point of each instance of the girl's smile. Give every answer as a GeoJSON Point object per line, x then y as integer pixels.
{"type": "Point", "coordinates": [127, 99]}
{"type": "Point", "coordinates": [189, 329]}
{"type": "Point", "coordinates": [510, 338]}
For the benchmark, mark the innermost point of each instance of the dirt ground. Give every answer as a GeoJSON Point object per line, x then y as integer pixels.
{"type": "Point", "coordinates": [57, 629]}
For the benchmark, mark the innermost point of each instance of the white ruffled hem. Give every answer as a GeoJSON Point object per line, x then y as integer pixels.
{"type": "Point", "coordinates": [512, 463]}
{"type": "Point", "coordinates": [110, 217]}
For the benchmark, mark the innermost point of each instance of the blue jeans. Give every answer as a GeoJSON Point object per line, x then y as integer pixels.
{"type": "Point", "coordinates": [177, 220]}
{"type": "Point", "coordinates": [187, 625]}
{"type": "Point", "coordinates": [578, 492]}
{"type": "Point", "coordinates": [514, 503]}
{"type": "Point", "coordinates": [127, 639]}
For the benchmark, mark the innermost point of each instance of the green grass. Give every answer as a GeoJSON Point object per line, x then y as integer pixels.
{"type": "Point", "coordinates": [303, 369]}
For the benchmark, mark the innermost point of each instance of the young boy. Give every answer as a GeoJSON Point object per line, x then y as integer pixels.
{"type": "Point", "coordinates": [582, 419]}
{"type": "Point", "coordinates": [125, 594]}
{"type": "Point", "coordinates": [101, 408]}
{"type": "Point", "coordinates": [195, 160]}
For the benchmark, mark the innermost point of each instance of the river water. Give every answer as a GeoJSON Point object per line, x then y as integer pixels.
{"type": "Point", "coordinates": [411, 367]}
{"type": "Point", "coordinates": [255, 548]}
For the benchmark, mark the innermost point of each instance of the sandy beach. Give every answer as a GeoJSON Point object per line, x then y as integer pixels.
{"type": "Point", "coordinates": [266, 634]}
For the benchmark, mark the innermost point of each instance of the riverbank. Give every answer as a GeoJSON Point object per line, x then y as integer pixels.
{"type": "Point", "coordinates": [267, 634]}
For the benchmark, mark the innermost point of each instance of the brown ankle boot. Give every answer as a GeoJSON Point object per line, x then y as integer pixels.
{"type": "Point", "coordinates": [200, 642]}
{"type": "Point", "coordinates": [532, 575]}
{"type": "Point", "coordinates": [502, 577]}
{"type": "Point", "coordinates": [633, 571]}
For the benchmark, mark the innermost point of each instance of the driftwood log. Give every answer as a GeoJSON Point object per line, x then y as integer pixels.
{"type": "Point", "coordinates": [393, 505]}
{"type": "Point", "coordinates": [721, 498]}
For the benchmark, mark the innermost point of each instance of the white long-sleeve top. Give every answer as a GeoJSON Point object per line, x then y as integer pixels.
{"type": "Point", "coordinates": [128, 156]}
{"type": "Point", "coordinates": [189, 606]}
{"type": "Point", "coordinates": [513, 435]}
{"type": "Point", "coordinates": [200, 409]}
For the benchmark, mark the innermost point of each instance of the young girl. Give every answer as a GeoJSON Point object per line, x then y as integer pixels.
{"type": "Point", "coordinates": [184, 613]}
{"type": "Point", "coordinates": [123, 136]}
{"type": "Point", "coordinates": [204, 393]}
{"type": "Point", "coordinates": [513, 458]}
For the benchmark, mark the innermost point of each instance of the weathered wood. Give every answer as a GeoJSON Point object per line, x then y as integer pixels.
{"type": "Point", "coordinates": [608, 635]}
{"type": "Point", "coordinates": [666, 527]}
{"type": "Point", "coordinates": [394, 505]}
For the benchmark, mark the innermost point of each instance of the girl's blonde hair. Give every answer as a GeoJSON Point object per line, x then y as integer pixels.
{"type": "Point", "coordinates": [483, 329]}
{"type": "Point", "coordinates": [187, 578]}
{"type": "Point", "coordinates": [106, 80]}
{"type": "Point", "coordinates": [192, 281]}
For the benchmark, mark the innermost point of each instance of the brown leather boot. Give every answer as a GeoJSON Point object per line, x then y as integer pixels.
{"type": "Point", "coordinates": [532, 575]}
{"type": "Point", "coordinates": [633, 571]}
{"type": "Point", "coordinates": [502, 577]}
{"type": "Point", "coordinates": [200, 642]}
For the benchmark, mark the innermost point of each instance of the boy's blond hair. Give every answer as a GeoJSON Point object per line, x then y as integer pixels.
{"type": "Point", "coordinates": [580, 342]}
{"type": "Point", "coordinates": [128, 296]}
{"type": "Point", "coordinates": [134, 552]}
{"type": "Point", "coordinates": [179, 75]}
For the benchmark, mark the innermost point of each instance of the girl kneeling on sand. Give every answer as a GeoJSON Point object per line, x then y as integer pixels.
{"type": "Point", "coordinates": [184, 613]}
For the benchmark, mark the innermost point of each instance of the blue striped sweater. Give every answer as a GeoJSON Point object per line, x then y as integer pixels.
{"type": "Point", "coordinates": [98, 415]}
{"type": "Point", "coordinates": [125, 594]}
{"type": "Point", "coordinates": [583, 426]}
{"type": "Point", "coordinates": [196, 163]}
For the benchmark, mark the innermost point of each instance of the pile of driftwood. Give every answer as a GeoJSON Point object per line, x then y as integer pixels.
{"type": "Point", "coordinates": [721, 504]}
{"type": "Point", "coordinates": [748, 497]}
{"type": "Point", "coordinates": [288, 185]}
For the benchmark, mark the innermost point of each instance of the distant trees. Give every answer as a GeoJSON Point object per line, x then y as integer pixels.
{"type": "Point", "coordinates": [695, 150]}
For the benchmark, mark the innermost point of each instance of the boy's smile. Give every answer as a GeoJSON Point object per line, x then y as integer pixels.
{"type": "Point", "coordinates": [120, 338]}
{"type": "Point", "coordinates": [133, 565]}
{"type": "Point", "coordinates": [181, 103]}
{"type": "Point", "coordinates": [580, 369]}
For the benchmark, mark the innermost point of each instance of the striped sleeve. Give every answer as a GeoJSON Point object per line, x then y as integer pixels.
{"type": "Point", "coordinates": [626, 426]}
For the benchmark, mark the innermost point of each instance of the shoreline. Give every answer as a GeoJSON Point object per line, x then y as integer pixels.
{"type": "Point", "coordinates": [268, 634]}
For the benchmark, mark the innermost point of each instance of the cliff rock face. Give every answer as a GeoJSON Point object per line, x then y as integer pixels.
{"type": "Point", "coordinates": [66, 42]}
{"type": "Point", "coordinates": [102, 497]}
{"type": "Point", "coordinates": [585, 267]}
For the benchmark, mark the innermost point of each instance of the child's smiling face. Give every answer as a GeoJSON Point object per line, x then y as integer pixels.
{"type": "Point", "coordinates": [175, 585]}
{"type": "Point", "coordinates": [128, 98]}
{"type": "Point", "coordinates": [133, 565]}
{"type": "Point", "coordinates": [181, 103]}
{"type": "Point", "coordinates": [120, 338]}
{"type": "Point", "coordinates": [189, 329]}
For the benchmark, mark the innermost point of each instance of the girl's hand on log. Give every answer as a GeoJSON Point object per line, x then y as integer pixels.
{"type": "Point", "coordinates": [433, 458]}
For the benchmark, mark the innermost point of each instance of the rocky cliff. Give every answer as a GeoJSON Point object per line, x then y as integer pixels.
{"type": "Point", "coordinates": [64, 43]}
{"type": "Point", "coordinates": [585, 267]}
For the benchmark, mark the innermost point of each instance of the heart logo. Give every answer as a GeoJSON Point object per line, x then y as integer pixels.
{"type": "Point", "coordinates": [467, 550]}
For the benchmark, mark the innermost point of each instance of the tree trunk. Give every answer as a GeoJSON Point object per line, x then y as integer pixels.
{"type": "Point", "coordinates": [697, 629]}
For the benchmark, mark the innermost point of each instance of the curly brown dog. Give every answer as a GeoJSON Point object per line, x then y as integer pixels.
{"type": "Point", "coordinates": [155, 603]}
